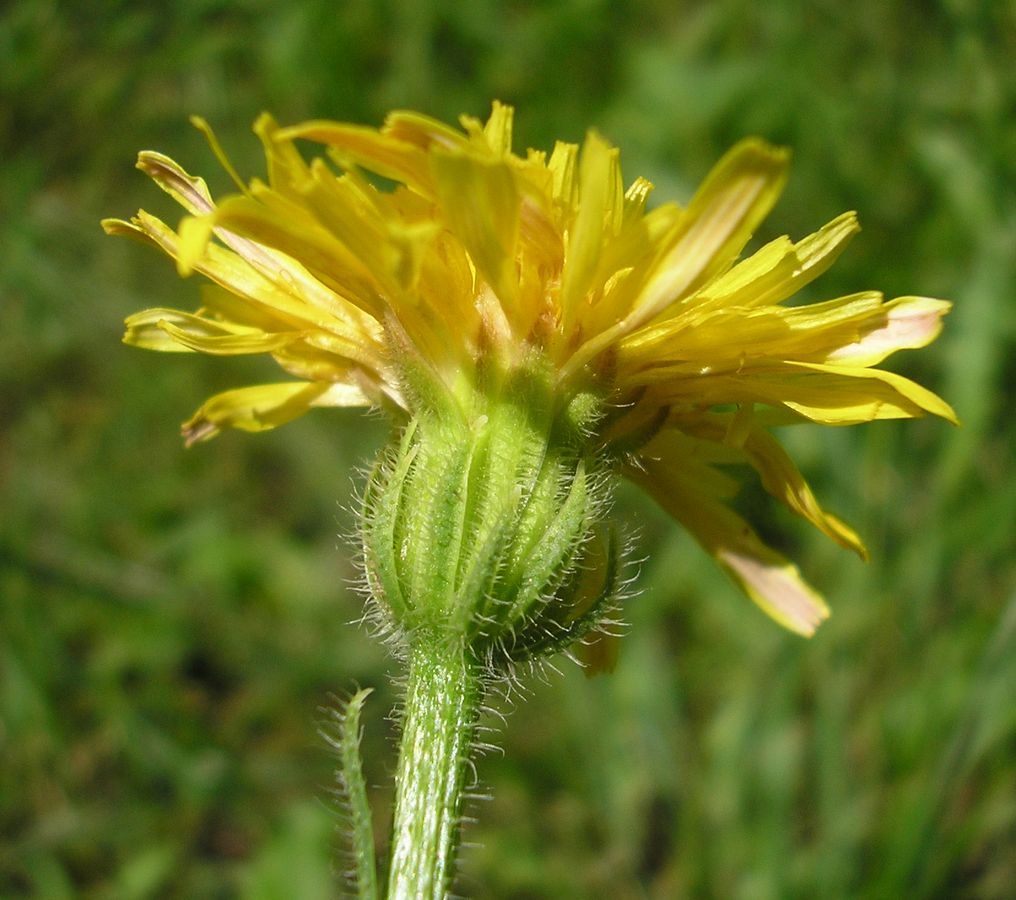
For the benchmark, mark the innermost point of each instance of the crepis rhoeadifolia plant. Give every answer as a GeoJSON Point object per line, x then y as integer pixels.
{"type": "Point", "coordinates": [535, 331]}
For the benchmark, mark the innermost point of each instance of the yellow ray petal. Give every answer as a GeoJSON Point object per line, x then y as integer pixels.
{"type": "Point", "coordinates": [266, 284]}
{"type": "Point", "coordinates": [494, 136]}
{"type": "Point", "coordinates": [539, 236]}
{"type": "Point", "coordinates": [192, 249]}
{"type": "Point", "coordinates": [562, 167]}
{"type": "Point", "coordinates": [340, 393]}
{"type": "Point", "coordinates": [697, 445]}
{"type": "Point", "coordinates": [780, 269]}
{"type": "Point", "coordinates": [286, 167]}
{"type": "Point", "coordinates": [722, 215]}
{"type": "Point", "coordinates": [907, 323]}
{"type": "Point", "coordinates": [291, 286]}
{"type": "Point", "coordinates": [142, 330]}
{"type": "Point", "coordinates": [736, 438]}
{"type": "Point", "coordinates": [343, 206]}
{"type": "Point", "coordinates": [309, 361]}
{"type": "Point", "coordinates": [876, 394]}
{"type": "Point", "coordinates": [831, 395]}
{"type": "Point", "coordinates": [199, 334]}
{"type": "Point", "coordinates": [599, 184]}
{"type": "Point", "coordinates": [189, 191]}
{"type": "Point", "coordinates": [296, 235]}
{"type": "Point", "coordinates": [735, 338]}
{"type": "Point", "coordinates": [132, 230]}
{"type": "Point", "coordinates": [171, 330]}
{"type": "Point", "coordinates": [498, 129]}
{"type": "Point", "coordinates": [770, 580]}
{"type": "Point", "coordinates": [265, 406]}
{"type": "Point", "coordinates": [781, 478]}
{"type": "Point", "coordinates": [708, 235]}
{"type": "Point", "coordinates": [230, 306]}
{"type": "Point", "coordinates": [383, 154]}
{"type": "Point", "coordinates": [488, 224]}
{"type": "Point", "coordinates": [422, 131]}
{"type": "Point", "coordinates": [623, 268]}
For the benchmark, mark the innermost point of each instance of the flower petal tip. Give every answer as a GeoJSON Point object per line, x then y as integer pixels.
{"type": "Point", "coordinates": [777, 587]}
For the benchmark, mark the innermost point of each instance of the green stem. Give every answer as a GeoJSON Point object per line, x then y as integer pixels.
{"type": "Point", "coordinates": [437, 732]}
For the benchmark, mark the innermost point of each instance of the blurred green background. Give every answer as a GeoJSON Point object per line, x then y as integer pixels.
{"type": "Point", "coordinates": [171, 621]}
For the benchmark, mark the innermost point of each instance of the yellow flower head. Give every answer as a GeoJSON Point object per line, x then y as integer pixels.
{"type": "Point", "coordinates": [479, 257]}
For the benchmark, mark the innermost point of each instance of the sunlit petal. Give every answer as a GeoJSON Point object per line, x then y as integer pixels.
{"type": "Point", "coordinates": [769, 579]}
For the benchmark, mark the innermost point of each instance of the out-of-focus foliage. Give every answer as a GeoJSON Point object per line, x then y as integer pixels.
{"type": "Point", "coordinates": [171, 621]}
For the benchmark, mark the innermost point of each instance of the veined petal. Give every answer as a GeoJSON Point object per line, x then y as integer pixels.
{"type": "Point", "coordinates": [780, 269]}
{"type": "Point", "coordinates": [622, 269]}
{"type": "Point", "coordinates": [132, 230]}
{"type": "Point", "coordinates": [563, 168]}
{"type": "Point", "coordinates": [831, 395]}
{"type": "Point", "coordinates": [540, 239]}
{"type": "Point", "coordinates": [292, 286]}
{"type": "Point", "coordinates": [385, 154]}
{"type": "Point", "coordinates": [343, 394]}
{"type": "Point", "coordinates": [781, 478]}
{"type": "Point", "coordinates": [422, 131]}
{"type": "Point", "coordinates": [498, 130]}
{"type": "Point", "coordinates": [344, 207]}
{"type": "Point", "coordinates": [310, 361]}
{"type": "Point", "coordinates": [194, 334]}
{"type": "Point", "coordinates": [144, 331]}
{"type": "Point", "coordinates": [254, 312]}
{"type": "Point", "coordinates": [908, 323]}
{"type": "Point", "coordinates": [291, 295]}
{"type": "Point", "coordinates": [174, 331]}
{"type": "Point", "coordinates": [720, 219]}
{"type": "Point", "coordinates": [196, 232]}
{"type": "Point", "coordinates": [708, 235]}
{"type": "Point", "coordinates": [295, 234]}
{"type": "Point", "coordinates": [263, 406]}
{"type": "Point", "coordinates": [696, 458]}
{"type": "Point", "coordinates": [769, 579]}
{"type": "Point", "coordinates": [745, 297]}
{"type": "Point", "coordinates": [599, 185]}
{"type": "Point", "coordinates": [494, 136]}
{"type": "Point", "coordinates": [266, 282]}
{"type": "Point", "coordinates": [736, 438]}
{"type": "Point", "coordinates": [286, 168]}
{"type": "Point", "coordinates": [734, 338]}
{"type": "Point", "coordinates": [189, 191]}
{"type": "Point", "coordinates": [903, 398]}
{"type": "Point", "coordinates": [488, 224]}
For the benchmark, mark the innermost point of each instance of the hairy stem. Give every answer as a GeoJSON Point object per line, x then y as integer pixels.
{"type": "Point", "coordinates": [437, 732]}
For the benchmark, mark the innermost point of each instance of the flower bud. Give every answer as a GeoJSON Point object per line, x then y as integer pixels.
{"type": "Point", "coordinates": [483, 523]}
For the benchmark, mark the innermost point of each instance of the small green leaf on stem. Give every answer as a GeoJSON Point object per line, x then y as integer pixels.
{"type": "Point", "coordinates": [343, 733]}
